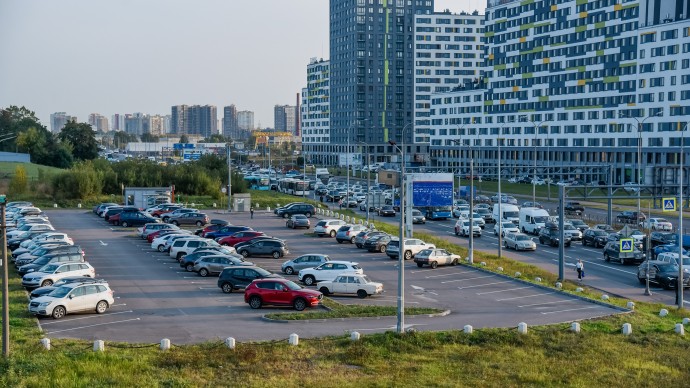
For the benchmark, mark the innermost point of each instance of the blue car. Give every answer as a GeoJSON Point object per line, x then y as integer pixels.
{"type": "Point", "coordinates": [226, 231]}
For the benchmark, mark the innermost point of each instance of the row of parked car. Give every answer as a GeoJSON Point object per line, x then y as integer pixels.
{"type": "Point", "coordinates": [52, 267]}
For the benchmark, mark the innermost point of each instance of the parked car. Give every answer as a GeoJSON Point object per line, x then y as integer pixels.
{"type": "Point", "coordinates": [55, 258]}
{"type": "Point", "coordinates": [519, 242]}
{"type": "Point", "coordinates": [348, 233]}
{"type": "Point", "coordinates": [311, 260]}
{"type": "Point", "coordinates": [256, 239]}
{"type": "Point", "coordinates": [298, 221]}
{"type": "Point", "coordinates": [328, 271]}
{"type": "Point", "coordinates": [328, 227]}
{"type": "Point", "coordinates": [72, 298]}
{"type": "Point", "coordinates": [191, 218]}
{"type": "Point", "coordinates": [659, 249]}
{"type": "Point", "coordinates": [153, 227]}
{"type": "Point", "coordinates": [663, 273]}
{"type": "Point", "coordinates": [595, 237]}
{"type": "Point", "coordinates": [412, 247]}
{"type": "Point", "coordinates": [127, 219]}
{"type": "Point", "coordinates": [263, 292]}
{"type": "Point", "coordinates": [183, 246]}
{"type": "Point", "coordinates": [387, 211]}
{"type": "Point", "coordinates": [605, 227]}
{"type": "Point", "coordinates": [215, 224]}
{"type": "Point", "coordinates": [663, 238]}
{"type": "Point", "coordinates": [235, 278]}
{"type": "Point", "coordinates": [226, 230]}
{"type": "Point", "coordinates": [41, 291]}
{"type": "Point", "coordinates": [187, 261]}
{"type": "Point", "coordinates": [359, 285]}
{"type": "Point", "coordinates": [215, 264]}
{"type": "Point", "coordinates": [573, 208]}
{"type": "Point", "coordinates": [239, 237]}
{"type": "Point", "coordinates": [612, 253]}
{"type": "Point", "coordinates": [167, 216]}
{"type": "Point", "coordinates": [365, 235]}
{"type": "Point", "coordinates": [532, 204]}
{"type": "Point", "coordinates": [657, 223]}
{"type": "Point", "coordinates": [274, 248]}
{"type": "Point", "coordinates": [304, 209]}
{"type": "Point", "coordinates": [552, 236]}
{"type": "Point", "coordinates": [51, 273]}
{"type": "Point", "coordinates": [435, 257]}
{"type": "Point", "coordinates": [377, 243]}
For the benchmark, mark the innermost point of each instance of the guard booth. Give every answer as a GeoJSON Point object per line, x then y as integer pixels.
{"type": "Point", "coordinates": [241, 202]}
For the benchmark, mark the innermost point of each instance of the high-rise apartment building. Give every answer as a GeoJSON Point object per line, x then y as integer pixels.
{"type": "Point", "coordinates": [372, 74]}
{"type": "Point", "coordinates": [117, 122]}
{"type": "Point", "coordinates": [99, 122]}
{"type": "Point", "coordinates": [245, 120]}
{"type": "Point", "coordinates": [59, 119]}
{"type": "Point", "coordinates": [315, 111]}
{"type": "Point", "coordinates": [285, 118]}
{"type": "Point", "coordinates": [178, 119]}
{"type": "Point", "coordinates": [137, 123]}
{"type": "Point", "coordinates": [194, 120]}
{"type": "Point", "coordinates": [230, 122]}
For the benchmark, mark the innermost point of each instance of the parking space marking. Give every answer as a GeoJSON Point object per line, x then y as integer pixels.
{"type": "Point", "coordinates": [94, 325]}
{"type": "Point", "coordinates": [208, 288]}
{"type": "Point", "coordinates": [486, 284]}
{"type": "Point", "coordinates": [525, 296]}
{"type": "Point", "coordinates": [474, 278]}
{"type": "Point", "coordinates": [85, 317]}
{"type": "Point", "coordinates": [563, 311]}
{"type": "Point", "coordinates": [439, 276]}
{"type": "Point", "coordinates": [542, 303]}
{"type": "Point", "coordinates": [509, 289]}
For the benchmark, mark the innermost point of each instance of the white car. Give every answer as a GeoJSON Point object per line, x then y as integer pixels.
{"type": "Point", "coordinates": [657, 224]}
{"type": "Point", "coordinates": [519, 242]}
{"type": "Point", "coordinates": [574, 233]}
{"type": "Point", "coordinates": [30, 228]}
{"type": "Point", "coordinates": [462, 228]}
{"type": "Point", "coordinates": [328, 227]}
{"type": "Point", "coordinates": [458, 211]}
{"type": "Point", "coordinates": [506, 227]}
{"type": "Point", "coordinates": [412, 247]}
{"type": "Point", "coordinates": [350, 284]}
{"type": "Point", "coordinates": [73, 297]}
{"type": "Point", "coordinates": [50, 273]}
{"type": "Point", "coordinates": [328, 271]}
{"type": "Point", "coordinates": [185, 246]}
{"type": "Point", "coordinates": [158, 243]}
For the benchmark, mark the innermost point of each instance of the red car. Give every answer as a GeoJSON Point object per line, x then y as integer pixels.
{"type": "Point", "coordinates": [280, 292]}
{"type": "Point", "coordinates": [158, 212]}
{"type": "Point", "coordinates": [211, 228]}
{"type": "Point", "coordinates": [239, 237]}
{"type": "Point", "coordinates": [114, 219]}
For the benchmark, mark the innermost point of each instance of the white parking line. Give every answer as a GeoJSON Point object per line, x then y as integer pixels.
{"type": "Point", "coordinates": [525, 296]}
{"type": "Point", "coordinates": [440, 276]}
{"type": "Point", "coordinates": [208, 288]}
{"type": "Point", "coordinates": [539, 304]}
{"type": "Point", "coordinates": [85, 317]}
{"type": "Point", "coordinates": [563, 311]}
{"type": "Point", "coordinates": [482, 285]}
{"type": "Point", "coordinates": [474, 278]}
{"type": "Point", "coordinates": [509, 289]}
{"type": "Point", "coordinates": [94, 325]}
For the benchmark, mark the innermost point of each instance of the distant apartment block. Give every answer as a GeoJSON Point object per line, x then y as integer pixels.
{"type": "Point", "coordinates": [194, 120]}
{"type": "Point", "coordinates": [245, 120]}
{"type": "Point", "coordinates": [58, 121]}
{"type": "Point", "coordinates": [315, 113]}
{"type": "Point", "coordinates": [117, 122]}
{"type": "Point", "coordinates": [285, 118]}
{"type": "Point", "coordinates": [99, 122]}
{"type": "Point", "coordinates": [230, 122]}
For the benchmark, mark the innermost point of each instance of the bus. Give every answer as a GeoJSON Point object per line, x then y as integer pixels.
{"type": "Point", "coordinates": [435, 212]}
{"type": "Point", "coordinates": [293, 186]}
{"type": "Point", "coordinates": [258, 182]}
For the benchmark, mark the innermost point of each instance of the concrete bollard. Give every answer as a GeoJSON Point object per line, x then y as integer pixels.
{"type": "Point", "coordinates": [342, 217]}
{"type": "Point", "coordinates": [522, 328]}
{"type": "Point", "coordinates": [483, 263]}
{"type": "Point", "coordinates": [230, 343]}
{"type": "Point", "coordinates": [631, 305]}
{"type": "Point", "coordinates": [663, 312]}
{"type": "Point", "coordinates": [215, 205]}
{"type": "Point", "coordinates": [46, 343]}
{"type": "Point", "coordinates": [354, 336]}
{"type": "Point", "coordinates": [294, 339]}
{"type": "Point", "coordinates": [98, 346]}
{"type": "Point", "coordinates": [499, 269]}
{"type": "Point", "coordinates": [604, 297]}
{"type": "Point", "coordinates": [347, 219]}
{"type": "Point", "coordinates": [268, 208]}
{"type": "Point", "coordinates": [517, 274]}
{"type": "Point", "coordinates": [55, 205]}
{"type": "Point", "coordinates": [559, 285]}
{"type": "Point", "coordinates": [79, 205]}
{"type": "Point", "coordinates": [680, 329]}
{"type": "Point", "coordinates": [537, 279]}
{"type": "Point", "coordinates": [579, 289]}
{"type": "Point", "coordinates": [575, 327]}
{"type": "Point", "coordinates": [627, 329]}
{"type": "Point", "coordinates": [686, 321]}
{"type": "Point", "coordinates": [468, 329]}
{"type": "Point", "coordinates": [165, 344]}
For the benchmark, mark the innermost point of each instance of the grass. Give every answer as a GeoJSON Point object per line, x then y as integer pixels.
{"type": "Point", "coordinates": [7, 169]}
{"type": "Point", "coordinates": [339, 310]}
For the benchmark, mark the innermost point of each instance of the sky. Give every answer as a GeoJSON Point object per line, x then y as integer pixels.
{"type": "Point", "coordinates": [126, 56]}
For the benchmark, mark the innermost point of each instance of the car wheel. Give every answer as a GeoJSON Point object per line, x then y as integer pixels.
{"type": "Point", "coordinates": [289, 271]}
{"type": "Point", "coordinates": [541, 241]}
{"type": "Point", "coordinates": [125, 224]}
{"type": "Point", "coordinates": [179, 255]}
{"type": "Point", "coordinates": [286, 216]}
{"type": "Point", "coordinates": [294, 226]}
{"type": "Point", "coordinates": [324, 290]}
{"type": "Point", "coordinates": [505, 245]}
{"type": "Point", "coordinates": [352, 240]}
{"type": "Point", "coordinates": [383, 248]}
{"type": "Point", "coordinates": [607, 258]}
{"type": "Point", "coordinates": [199, 223]}
{"type": "Point", "coordinates": [227, 288]}
{"type": "Point", "coordinates": [309, 280]}
{"type": "Point", "coordinates": [276, 255]}
{"type": "Point", "coordinates": [47, 283]}
{"type": "Point", "coordinates": [361, 294]}
{"type": "Point", "coordinates": [307, 214]}
{"type": "Point", "coordinates": [161, 248]}
{"type": "Point", "coordinates": [189, 267]}
{"type": "Point", "coordinates": [59, 312]}
{"type": "Point", "coordinates": [244, 253]}
{"type": "Point", "coordinates": [176, 223]}
{"type": "Point", "coordinates": [101, 307]}
{"type": "Point", "coordinates": [203, 272]}
{"type": "Point", "coordinates": [299, 304]}
{"type": "Point", "coordinates": [434, 264]}
{"type": "Point", "coordinates": [456, 232]}
{"type": "Point", "coordinates": [407, 255]}
{"type": "Point", "coordinates": [584, 242]}
{"type": "Point", "coordinates": [255, 302]}
{"type": "Point", "coordinates": [420, 265]}
{"type": "Point", "coordinates": [454, 262]}
{"type": "Point", "coordinates": [332, 233]}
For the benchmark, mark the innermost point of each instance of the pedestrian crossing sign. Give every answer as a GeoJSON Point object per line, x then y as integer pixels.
{"type": "Point", "coordinates": [669, 204]}
{"type": "Point", "coordinates": [626, 244]}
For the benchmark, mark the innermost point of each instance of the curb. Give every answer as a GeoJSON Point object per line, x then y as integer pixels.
{"type": "Point", "coordinates": [266, 319]}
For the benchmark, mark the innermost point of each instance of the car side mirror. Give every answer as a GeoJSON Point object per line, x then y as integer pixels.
{"type": "Point", "coordinates": [71, 296]}
{"type": "Point", "coordinates": [285, 289]}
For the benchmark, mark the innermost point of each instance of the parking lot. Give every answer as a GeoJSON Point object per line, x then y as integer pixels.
{"type": "Point", "coordinates": [155, 298]}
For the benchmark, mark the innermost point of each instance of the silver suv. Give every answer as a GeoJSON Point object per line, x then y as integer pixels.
{"type": "Point", "coordinates": [328, 227]}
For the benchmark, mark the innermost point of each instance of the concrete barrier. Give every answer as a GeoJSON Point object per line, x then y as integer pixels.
{"type": "Point", "coordinates": [522, 328]}
{"type": "Point", "coordinates": [354, 336]}
{"type": "Point", "coordinates": [468, 329]}
{"type": "Point", "coordinates": [165, 344]}
{"type": "Point", "coordinates": [680, 329]}
{"type": "Point", "coordinates": [575, 327]}
{"type": "Point", "coordinates": [45, 342]}
{"type": "Point", "coordinates": [98, 346]}
{"type": "Point", "coordinates": [627, 329]}
{"type": "Point", "coordinates": [230, 343]}
{"type": "Point", "coordinates": [294, 339]}
{"type": "Point", "coordinates": [663, 312]}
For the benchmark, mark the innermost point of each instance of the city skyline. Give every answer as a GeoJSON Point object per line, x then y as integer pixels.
{"type": "Point", "coordinates": [81, 57]}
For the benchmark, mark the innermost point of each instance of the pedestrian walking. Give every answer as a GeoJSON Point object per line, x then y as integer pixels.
{"type": "Point", "coordinates": [251, 212]}
{"type": "Point", "coordinates": [580, 268]}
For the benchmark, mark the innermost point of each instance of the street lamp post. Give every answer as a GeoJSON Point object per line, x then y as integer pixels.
{"type": "Point", "coordinates": [680, 219]}
{"type": "Point", "coordinates": [229, 179]}
{"type": "Point", "coordinates": [401, 254]}
{"type": "Point", "coordinates": [534, 174]}
{"type": "Point", "coordinates": [368, 177]}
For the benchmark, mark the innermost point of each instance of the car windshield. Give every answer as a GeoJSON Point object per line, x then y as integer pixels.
{"type": "Point", "coordinates": [424, 252]}
{"type": "Point", "coordinates": [510, 214]}
{"type": "Point", "coordinates": [541, 220]}
{"type": "Point", "coordinates": [508, 225]}
{"type": "Point", "coordinates": [49, 268]}
{"type": "Point", "coordinates": [365, 279]}
{"type": "Point", "coordinates": [600, 233]}
{"type": "Point", "coordinates": [292, 285]}
{"type": "Point", "coordinates": [661, 220]}
{"type": "Point", "coordinates": [60, 292]}
{"type": "Point", "coordinates": [522, 238]}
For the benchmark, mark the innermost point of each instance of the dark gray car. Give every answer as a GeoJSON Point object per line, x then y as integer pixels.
{"type": "Point", "coordinates": [215, 264]}
{"type": "Point", "coordinates": [234, 278]}
{"type": "Point", "coordinates": [312, 260]}
{"type": "Point", "coordinates": [274, 248]}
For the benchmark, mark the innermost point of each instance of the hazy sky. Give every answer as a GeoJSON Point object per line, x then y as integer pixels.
{"type": "Point", "coordinates": [126, 56]}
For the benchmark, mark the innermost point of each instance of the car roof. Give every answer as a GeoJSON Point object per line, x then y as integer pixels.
{"type": "Point", "coordinates": [341, 262]}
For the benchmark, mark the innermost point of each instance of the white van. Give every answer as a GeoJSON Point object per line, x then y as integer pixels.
{"type": "Point", "coordinates": [532, 219]}
{"type": "Point", "coordinates": [322, 172]}
{"type": "Point", "coordinates": [672, 257]}
{"type": "Point", "coordinates": [508, 213]}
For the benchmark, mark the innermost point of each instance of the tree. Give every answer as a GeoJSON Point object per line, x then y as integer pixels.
{"type": "Point", "coordinates": [32, 141]}
{"type": "Point", "coordinates": [149, 138]}
{"type": "Point", "coordinates": [216, 138]}
{"type": "Point", "coordinates": [13, 121]}
{"type": "Point", "coordinates": [19, 183]}
{"type": "Point", "coordinates": [184, 139]}
{"type": "Point", "coordinates": [121, 138]}
{"type": "Point", "coordinates": [82, 137]}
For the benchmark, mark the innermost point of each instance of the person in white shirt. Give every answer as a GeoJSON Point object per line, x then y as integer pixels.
{"type": "Point", "coordinates": [580, 268]}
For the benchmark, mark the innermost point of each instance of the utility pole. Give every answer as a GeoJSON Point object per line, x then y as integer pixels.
{"type": "Point", "coordinates": [5, 283]}
{"type": "Point", "coordinates": [229, 180]}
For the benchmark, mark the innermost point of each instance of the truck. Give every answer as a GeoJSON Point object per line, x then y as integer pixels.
{"type": "Point", "coordinates": [508, 213]}
{"type": "Point", "coordinates": [144, 197]}
{"type": "Point", "coordinates": [323, 174]}
{"type": "Point", "coordinates": [532, 219]}
{"type": "Point", "coordinates": [374, 201]}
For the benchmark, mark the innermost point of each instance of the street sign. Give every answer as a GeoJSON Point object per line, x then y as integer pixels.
{"type": "Point", "coordinates": [626, 244]}
{"type": "Point", "coordinates": [669, 204]}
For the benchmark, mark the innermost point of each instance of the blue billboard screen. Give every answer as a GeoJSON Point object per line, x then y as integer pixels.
{"type": "Point", "coordinates": [427, 193]}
